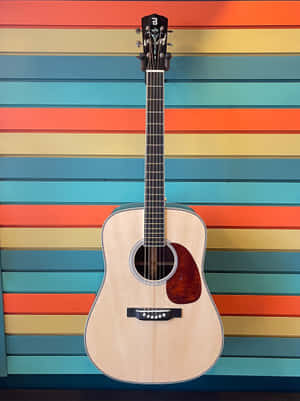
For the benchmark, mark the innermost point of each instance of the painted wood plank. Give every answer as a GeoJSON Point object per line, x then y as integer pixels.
{"type": "Point", "coordinates": [76, 304]}
{"type": "Point", "coordinates": [119, 14]}
{"type": "Point", "coordinates": [94, 215]}
{"type": "Point", "coordinates": [92, 260]}
{"type": "Point", "coordinates": [186, 41]}
{"type": "Point", "coordinates": [78, 192]}
{"type": "Point", "coordinates": [224, 366]}
{"type": "Point", "coordinates": [133, 145]}
{"type": "Point", "coordinates": [90, 238]}
{"type": "Point", "coordinates": [233, 67]}
{"type": "Point", "coordinates": [283, 347]}
{"type": "Point", "coordinates": [89, 282]}
{"type": "Point", "coordinates": [41, 168]}
{"type": "Point", "coordinates": [133, 120]}
{"type": "Point", "coordinates": [204, 383]}
{"type": "Point", "coordinates": [255, 326]}
{"type": "Point", "coordinates": [3, 356]}
{"type": "Point", "coordinates": [132, 95]}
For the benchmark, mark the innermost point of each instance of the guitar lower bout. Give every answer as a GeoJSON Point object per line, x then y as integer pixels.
{"type": "Point", "coordinates": [154, 322]}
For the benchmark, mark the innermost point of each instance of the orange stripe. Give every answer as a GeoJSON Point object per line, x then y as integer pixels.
{"type": "Point", "coordinates": [74, 304]}
{"type": "Point", "coordinates": [94, 216]}
{"type": "Point", "coordinates": [128, 14]}
{"type": "Point", "coordinates": [260, 305]}
{"type": "Point", "coordinates": [133, 120]}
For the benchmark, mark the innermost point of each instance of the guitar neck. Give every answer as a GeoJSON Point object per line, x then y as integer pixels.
{"type": "Point", "coordinates": [154, 224]}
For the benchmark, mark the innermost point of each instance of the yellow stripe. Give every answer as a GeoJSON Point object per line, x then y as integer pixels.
{"type": "Point", "coordinates": [133, 145]}
{"type": "Point", "coordinates": [74, 324]}
{"type": "Point", "coordinates": [115, 41]}
{"type": "Point", "coordinates": [89, 238]}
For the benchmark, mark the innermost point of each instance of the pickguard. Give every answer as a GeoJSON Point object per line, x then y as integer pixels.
{"type": "Point", "coordinates": [184, 286]}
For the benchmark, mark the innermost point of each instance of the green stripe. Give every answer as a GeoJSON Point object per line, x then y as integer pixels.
{"type": "Point", "coordinates": [127, 67]}
{"type": "Point", "coordinates": [120, 192]}
{"type": "Point", "coordinates": [89, 282]}
{"type": "Point", "coordinates": [124, 94]}
{"type": "Point", "coordinates": [40, 168]}
{"type": "Point", "coordinates": [92, 260]}
{"type": "Point", "coordinates": [224, 366]}
{"type": "Point", "coordinates": [74, 345]}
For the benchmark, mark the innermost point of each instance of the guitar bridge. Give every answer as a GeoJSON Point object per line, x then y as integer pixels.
{"type": "Point", "coordinates": [153, 313]}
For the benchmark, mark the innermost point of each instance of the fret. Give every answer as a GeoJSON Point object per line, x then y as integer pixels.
{"type": "Point", "coordinates": [154, 213]}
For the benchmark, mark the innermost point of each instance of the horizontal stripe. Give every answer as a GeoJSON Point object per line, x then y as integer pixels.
{"type": "Point", "coordinates": [74, 345]}
{"type": "Point", "coordinates": [87, 260]}
{"type": "Point", "coordinates": [94, 215]}
{"type": "Point", "coordinates": [231, 67]}
{"type": "Point", "coordinates": [101, 382]}
{"type": "Point", "coordinates": [83, 365]}
{"type": "Point", "coordinates": [107, 41]}
{"type": "Point", "coordinates": [121, 14]}
{"type": "Point", "coordinates": [247, 193]}
{"type": "Point", "coordinates": [74, 325]}
{"type": "Point", "coordinates": [89, 282]}
{"type": "Point", "coordinates": [41, 168]}
{"type": "Point", "coordinates": [90, 238]}
{"type": "Point", "coordinates": [130, 120]}
{"type": "Point", "coordinates": [133, 145]}
{"type": "Point", "coordinates": [123, 94]}
{"type": "Point", "coordinates": [76, 304]}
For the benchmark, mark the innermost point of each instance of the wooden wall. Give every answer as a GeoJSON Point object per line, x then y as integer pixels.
{"type": "Point", "coordinates": [72, 144]}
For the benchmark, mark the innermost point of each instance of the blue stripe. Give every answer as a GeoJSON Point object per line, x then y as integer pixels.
{"type": "Point", "coordinates": [89, 282]}
{"type": "Point", "coordinates": [203, 383]}
{"type": "Point", "coordinates": [236, 67]}
{"type": "Point", "coordinates": [74, 345]}
{"type": "Point", "coordinates": [88, 260]}
{"type": "Point", "coordinates": [123, 94]}
{"type": "Point", "coordinates": [116, 192]}
{"type": "Point", "coordinates": [224, 366]}
{"type": "Point", "coordinates": [39, 168]}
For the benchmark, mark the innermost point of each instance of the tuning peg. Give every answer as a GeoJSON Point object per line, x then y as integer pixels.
{"type": "Point", "coordinates": [138, 30]}
{"type": "Point", "coordinates": [138, 43]}
{"type": "Point", "coordinates": [170, 44]}
{"type": "Point", "coordinates": [170, 31]}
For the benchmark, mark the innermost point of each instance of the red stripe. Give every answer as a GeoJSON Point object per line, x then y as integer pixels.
{"type": "Point", "coordinates": [76, 304]}
{"type": "Point", "coordinates": [133, 120]}
{"type": "Point", "coordinates": [94, 216]}
{"type": "Point", "coordinates": [118, 14]}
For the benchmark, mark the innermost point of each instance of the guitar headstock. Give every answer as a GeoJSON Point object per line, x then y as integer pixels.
{"type": "Point", "coordinates": [154, 35]}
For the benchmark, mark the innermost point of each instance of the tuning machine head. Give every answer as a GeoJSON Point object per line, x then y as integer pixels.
{"type": "Point", "coordinates": [154, 41]}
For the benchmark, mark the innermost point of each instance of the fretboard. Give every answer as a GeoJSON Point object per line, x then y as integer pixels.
{"type": "Point", "coordinates": [154, 221]}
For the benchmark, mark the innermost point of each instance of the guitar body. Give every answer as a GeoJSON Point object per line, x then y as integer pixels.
{"type": "Point", "coordinates": [154, 351]}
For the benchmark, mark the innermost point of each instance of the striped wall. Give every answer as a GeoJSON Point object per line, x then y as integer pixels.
{"type": "Point", "coordinates": [72, 146]}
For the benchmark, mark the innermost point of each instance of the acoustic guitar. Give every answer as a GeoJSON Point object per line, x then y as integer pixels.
{"type": "Point", "coordinates": [154, 320]}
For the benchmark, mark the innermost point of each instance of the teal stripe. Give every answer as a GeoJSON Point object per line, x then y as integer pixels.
{"type": "Point", "coordinates": [224, 366]}
{"type": "Point", "coordinates": [74, 345]}
{"type": "Point", "coordinates": [88, 260]}
{"type": "Point", "coordinates": [118, 67]}
{"type": "Point", "coordinates": [58, 168]}
{"type": "Point", "coordinates": [89, 282]}
{"type": "Point", "coordinates": [124, 94]}
{"type": "Point", "coordinates": [121, 192]}
{"type": "Point", "coordinates": [3, 364]}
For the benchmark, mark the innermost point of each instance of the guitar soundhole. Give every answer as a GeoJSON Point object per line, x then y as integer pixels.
{"type": "Point", "coordinates": [155, 263]}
